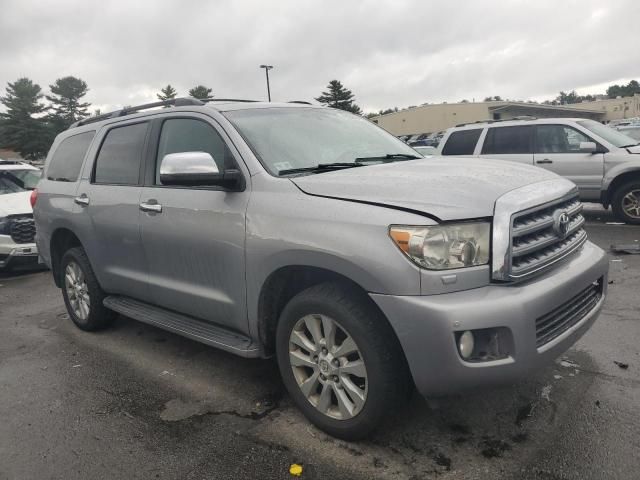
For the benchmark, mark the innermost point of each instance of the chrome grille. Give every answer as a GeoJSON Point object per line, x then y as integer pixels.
{"type": "Point", "coordinates": [539, 238]}
{"type": "Point", "coordinates": [22, 229]}
{"type": "Point", "coordinates": [562, 318]}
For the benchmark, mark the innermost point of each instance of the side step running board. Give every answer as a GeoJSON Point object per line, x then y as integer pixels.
{"type": "Point", "coordinates": [198, 330]}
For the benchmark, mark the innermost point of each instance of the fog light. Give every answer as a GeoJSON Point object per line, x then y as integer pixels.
{"type": "Point", "coordinates": [465, 344]}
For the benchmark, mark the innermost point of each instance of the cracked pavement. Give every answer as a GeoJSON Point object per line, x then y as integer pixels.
{"type": "Point", "coordinates": [137, 402]}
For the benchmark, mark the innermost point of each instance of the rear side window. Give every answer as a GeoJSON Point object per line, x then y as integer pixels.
{"type": "Point", "coordinates": [462, 142]}
{"type": "Point", "coordinates": [120, 156]}
{"type": "Point", "coordinates": [508, 140]}
{"type": "Point", "coordinates": [67, 160]}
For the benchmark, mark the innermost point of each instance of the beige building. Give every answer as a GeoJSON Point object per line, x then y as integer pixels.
{"type": "Point", "coordinates": [438, 117]}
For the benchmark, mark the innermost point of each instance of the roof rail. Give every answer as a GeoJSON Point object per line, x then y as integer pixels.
{"type": "Point", "coordinates": [212, 99]}
{"type": "Point", "coordinates": [521, 117]}
{"type": "Point", "coordinates": [303, 102]}
{"type": "Point", "coordinates": [176, 102]}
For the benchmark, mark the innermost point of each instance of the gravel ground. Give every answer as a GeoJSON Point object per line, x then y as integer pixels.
{"type": "Point", "coordinates": [138, 402]}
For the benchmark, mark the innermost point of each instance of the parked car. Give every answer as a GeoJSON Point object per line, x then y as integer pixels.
{"type": "Point", "coordinates": [426, 151]}
{"type": "Point", "coordinates": [602, 162]}
{"type": "Point", "coordinates": [313, 235]}
{"type": "Point", "coordinates": [632, 130]}
{"type": "Point", "coordinates": [17, 228]}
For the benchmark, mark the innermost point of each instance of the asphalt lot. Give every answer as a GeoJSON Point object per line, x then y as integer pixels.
{"type": "Point", "coordinates": [138, 402]}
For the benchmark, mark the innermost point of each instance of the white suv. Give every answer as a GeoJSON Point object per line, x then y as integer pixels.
{"type": "Point", "coordinates": [602, 162]}
{"type": "Point", "coordinates": [17, 229]}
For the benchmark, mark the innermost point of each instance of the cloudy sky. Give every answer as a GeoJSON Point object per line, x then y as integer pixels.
{"type": "Point", "coordinates": [389, 52]}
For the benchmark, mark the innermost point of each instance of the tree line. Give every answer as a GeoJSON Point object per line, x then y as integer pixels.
{"type": "Point", "coordinates": [30, 125]}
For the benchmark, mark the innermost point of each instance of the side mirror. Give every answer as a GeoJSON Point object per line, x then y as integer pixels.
{"type": "Point", "coordinates": [588, 147]}
{"type": "Point", "coordinates": [195, 169]}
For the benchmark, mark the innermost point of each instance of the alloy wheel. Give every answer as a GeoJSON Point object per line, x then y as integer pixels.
{"type": "Point", "coordinates": [77, 290]}
{"type": "Point", "coordinates": [328, 366]}
{"type": "Point", "coordinates": [631, 204]}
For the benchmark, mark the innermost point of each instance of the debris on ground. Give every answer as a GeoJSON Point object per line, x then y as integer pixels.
{"type": "Point", "coordinates": [598, 403]}
{"type": "Point", "coordinates": [629, 248]}
{"type": "Point", "coordinates": [295, 470]}
{"type": "Point", "coordinates": [616, 223]}
{"type": "Point", "coordinates": [546, 393]}
{"type": "Point", "coordinates": [622, 365]}
{"type": "Point", "coordinates": [566, 363]}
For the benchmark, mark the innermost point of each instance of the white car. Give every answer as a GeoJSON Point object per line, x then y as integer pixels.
{"type": "Point", "coordinates": [426, 151]}
{"type": "Point", "coordinates": [17, 229]}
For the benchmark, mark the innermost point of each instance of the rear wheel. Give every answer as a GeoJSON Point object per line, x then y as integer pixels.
{"type": "Point", "coordinates": [82, 293]}
{"type": "Point", "coordinates": [626, 202]}
{"type": "Point", "coordinates": [340, 360]}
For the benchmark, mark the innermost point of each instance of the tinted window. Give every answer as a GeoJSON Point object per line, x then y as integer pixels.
{"type": "Point", "coordinates": [502, 140]}
{"type": "Point", "coordinates": [120, 155]}
{"type": "Point", "coordinates": [67, 160]}
{"type": "Point", "coordinates": [558, 139]}
{"type": "Point", "coordinates": [462, 142]}
{"type": "Point", "coordinates": [189, 135]}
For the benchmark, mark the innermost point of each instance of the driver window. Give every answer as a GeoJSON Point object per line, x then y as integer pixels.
{"type": "Point", "coordinates": [190, 135]}
{"type": "Point", "coordinates": [558, 139]}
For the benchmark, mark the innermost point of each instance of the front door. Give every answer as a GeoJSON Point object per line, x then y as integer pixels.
{"type": "Point", "coordinates": [194, 241]}
{"type": "Point", "coordinates": [557, 148]}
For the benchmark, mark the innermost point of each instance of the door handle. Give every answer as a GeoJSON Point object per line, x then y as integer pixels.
{"type": "Point", "coordinates": [546, 160]}
{"type": "Point", "coordinates": [151, 207]}
{"type": "Point", "coordinates": [82, 200]}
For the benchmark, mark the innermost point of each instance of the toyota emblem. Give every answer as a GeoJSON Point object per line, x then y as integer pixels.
{"type": "Point", "coordinates": [561, 223]}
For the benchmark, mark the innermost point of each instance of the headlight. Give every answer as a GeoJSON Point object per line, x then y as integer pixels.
{"type": "Point", "coordinates": [442, 247]}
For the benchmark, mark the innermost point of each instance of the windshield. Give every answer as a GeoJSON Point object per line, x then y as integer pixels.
{"type": "Point", "coordinates": [612, 136]}
{"type": "Point", "coordinates": [295, 138]}
{"type": "Point", "coordinates": [13, 181]}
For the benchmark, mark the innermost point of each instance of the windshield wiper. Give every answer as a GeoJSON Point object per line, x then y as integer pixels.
{"type": "Point", "coordinates": [322, 167]}
{"type": "Point", "coordinates": [389, 156]}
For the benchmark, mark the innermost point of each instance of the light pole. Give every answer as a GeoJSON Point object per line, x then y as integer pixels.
{"type": "Point", "coordinates": [266, 70]}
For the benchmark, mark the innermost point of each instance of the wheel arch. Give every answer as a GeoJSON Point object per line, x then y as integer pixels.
{"type": "Point", "coordinates": [62, 240]}
{"type": "Point", "coordinates": [617, 181]}
{"type": "Point", "coordinates": [286, 282]}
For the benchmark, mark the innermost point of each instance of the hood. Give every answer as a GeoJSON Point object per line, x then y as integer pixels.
{"type": "Point", "coordinates": [446, 188]}
{"type": "Point", "coordinates": [15, 203]}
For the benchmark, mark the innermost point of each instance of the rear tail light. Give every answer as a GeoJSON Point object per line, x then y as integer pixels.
{"type": "Point", "coordinates": [34, 197]}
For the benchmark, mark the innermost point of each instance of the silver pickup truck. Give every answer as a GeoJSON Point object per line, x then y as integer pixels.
{"type": "Point", "coordinates": [310, 234]}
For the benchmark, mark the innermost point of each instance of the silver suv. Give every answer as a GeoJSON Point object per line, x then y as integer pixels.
{"type": "Point", "coordinates": [313, 235]}
{"type": "Point", "coordinates": [602, 162]}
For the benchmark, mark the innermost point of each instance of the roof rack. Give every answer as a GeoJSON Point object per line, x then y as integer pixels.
{"type": "Point", "coordinates": [176, 102]}
{"type": "Point", "coordinates": [212, 99]}
{"type": "Point", "coordinates": [520, 117]}
{"type": "Point", "coordinates": [302, 102]}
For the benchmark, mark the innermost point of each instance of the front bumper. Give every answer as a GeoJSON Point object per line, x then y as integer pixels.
{"type": "Point", "coordinates": [16, 254]}
{"type": "Point", "coordinates": [425, 325]}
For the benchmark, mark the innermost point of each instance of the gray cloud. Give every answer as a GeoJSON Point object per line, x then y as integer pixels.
{"type": "Point", "coordinates": [390, 53]}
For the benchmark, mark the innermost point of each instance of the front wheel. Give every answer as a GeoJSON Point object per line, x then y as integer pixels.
{"type": "Point", "coordinates": [626, 202]}
{"type": "Point", "coordinates": [340, 360]}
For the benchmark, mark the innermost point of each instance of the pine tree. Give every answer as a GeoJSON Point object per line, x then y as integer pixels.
{"type": "Point", "coordinates": [167, 93]}
{"type": "Point", "coordinates": [201, 92]}
{"type": "Point", "coordinates": [66, 105]}
{"type": "Point", "coordinates": [339, 97]}
{"type": "Point", "coordinates": [20, 130]}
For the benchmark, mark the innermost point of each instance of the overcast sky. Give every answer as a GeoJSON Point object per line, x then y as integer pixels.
{"type": "Point", "coordinates": [390, 53]}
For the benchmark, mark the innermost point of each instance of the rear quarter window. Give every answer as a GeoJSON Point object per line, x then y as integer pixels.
{"type": "Point", "coordinates": [462, 142]}
{"type": "Point", "coordinates": [67, 160]}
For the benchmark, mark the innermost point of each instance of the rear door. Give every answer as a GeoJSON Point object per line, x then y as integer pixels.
{"type": "Point", "coordinates": [557, 148]}
{"type": "Point", "coordinates": [194, 243]}
{"type": "Point", "coordinates": [513, 143]}
{"type": "Point", "coordinates": [109, 199]}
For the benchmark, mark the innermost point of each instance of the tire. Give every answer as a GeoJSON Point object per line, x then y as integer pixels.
{"type": "Point", "coordinates": [620, 203]}
{"type": "Point", "coordinates": [386, 383]}
{"type": "Point", "coordinates": [96, 316]}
